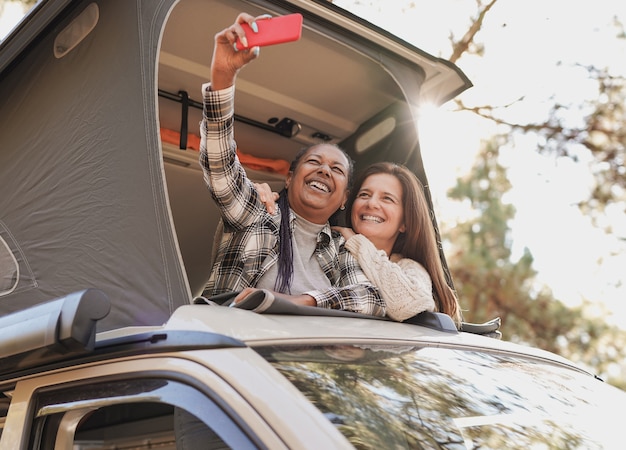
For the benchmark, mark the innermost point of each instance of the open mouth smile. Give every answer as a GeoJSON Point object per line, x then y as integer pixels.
{"type": "Point", "coordinates": [319, 186]}
{"type": "Point", "coordinates": [368, 218]}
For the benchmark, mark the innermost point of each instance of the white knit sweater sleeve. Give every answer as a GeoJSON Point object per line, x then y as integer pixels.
{"type": "Point", "coordinates": [404, 284]}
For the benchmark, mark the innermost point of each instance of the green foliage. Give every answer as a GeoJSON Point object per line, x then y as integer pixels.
{"type": "Point", "coordinates": [490, 284]}
{"type": "Point", "coordinates": [594, 129]}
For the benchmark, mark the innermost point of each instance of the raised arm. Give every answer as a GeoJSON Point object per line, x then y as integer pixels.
{"type": "Point", "coordinates": [227, 61]}
{"type": "Point", "coordinates": [223, 173]}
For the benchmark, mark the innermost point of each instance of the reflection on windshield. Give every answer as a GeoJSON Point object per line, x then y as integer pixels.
{"type": "Point", "coordinates": [422, 398]}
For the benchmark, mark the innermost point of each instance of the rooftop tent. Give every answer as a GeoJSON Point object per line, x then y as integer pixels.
{"type": "Point", "coordinates": [83, 202]}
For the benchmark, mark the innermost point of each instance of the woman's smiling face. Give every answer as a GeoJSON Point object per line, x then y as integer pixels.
{"type": "Point", "coordinates": [319, 184]}
{"type": "Point", "coordinates": [377, 210]}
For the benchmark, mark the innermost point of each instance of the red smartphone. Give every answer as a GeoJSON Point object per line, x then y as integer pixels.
{"type": "Point", "coordinates": [273, 30]}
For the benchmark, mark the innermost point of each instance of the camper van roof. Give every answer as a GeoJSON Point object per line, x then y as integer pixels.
{"type": "Point", "coordinates": [99, 113]}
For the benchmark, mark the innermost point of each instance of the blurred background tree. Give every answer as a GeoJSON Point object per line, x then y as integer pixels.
{"type": "Point", "coordinates": [600, 129]}
{"type": "Point", "coordinates": [490, 284]}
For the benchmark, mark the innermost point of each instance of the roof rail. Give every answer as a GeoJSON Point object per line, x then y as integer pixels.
{"type": "Point", "coordinates": [52, 330]}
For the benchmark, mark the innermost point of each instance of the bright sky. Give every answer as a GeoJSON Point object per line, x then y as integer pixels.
{"type": "Point", "coordinates": [524, 42]}
{"type": "Point", "coordinates": [10, 14]}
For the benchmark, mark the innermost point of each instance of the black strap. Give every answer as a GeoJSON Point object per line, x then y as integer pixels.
{"type": "Point", "coordinates": [184, 122]}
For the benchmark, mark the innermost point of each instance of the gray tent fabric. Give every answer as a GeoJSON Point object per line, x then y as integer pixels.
{"type": "Point", "coordinates": [83, 202]}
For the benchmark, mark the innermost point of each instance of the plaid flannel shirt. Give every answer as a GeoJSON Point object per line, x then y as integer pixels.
{"type": "Point", "coordinates": [249, 243]}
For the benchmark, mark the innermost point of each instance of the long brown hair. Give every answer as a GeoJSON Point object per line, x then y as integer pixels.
{"type": "Point", "coordinates": [419, 241]}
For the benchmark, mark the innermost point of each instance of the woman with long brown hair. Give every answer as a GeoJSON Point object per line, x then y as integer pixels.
{"type": "Point", "coordinates": [393, 238]}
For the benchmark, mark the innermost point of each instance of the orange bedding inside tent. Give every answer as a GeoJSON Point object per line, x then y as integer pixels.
{"type": "Point", "coordinates": [280, 166]}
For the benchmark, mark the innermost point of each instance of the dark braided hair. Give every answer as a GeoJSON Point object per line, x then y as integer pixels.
{"type": "Point", "coordinates": [285, 243]}
{"type": "Point", "coordinates": [285, 249]}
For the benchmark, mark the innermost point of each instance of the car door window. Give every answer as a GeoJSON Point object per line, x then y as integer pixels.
{"type": "Point", "coordinates": [132, 414]}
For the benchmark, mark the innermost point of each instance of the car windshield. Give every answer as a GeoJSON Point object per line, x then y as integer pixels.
{"type": "Point", "coordinates": [407, 397]}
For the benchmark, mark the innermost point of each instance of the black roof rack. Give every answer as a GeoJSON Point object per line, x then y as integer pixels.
{"type": "Point", "coordinates": [52, 330]}
{"type": "Point", "coordinates": [62, 332]}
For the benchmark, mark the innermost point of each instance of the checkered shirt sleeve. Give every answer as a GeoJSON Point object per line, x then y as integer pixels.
{"type": "Point", "coordinates": [224, 175]}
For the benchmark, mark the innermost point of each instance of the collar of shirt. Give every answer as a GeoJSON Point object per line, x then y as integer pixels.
{"type": "Point", "coordinates": [323, 237]}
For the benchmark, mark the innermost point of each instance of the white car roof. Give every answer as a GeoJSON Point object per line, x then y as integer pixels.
{"type": "Point", "coordinates": [273, 329]}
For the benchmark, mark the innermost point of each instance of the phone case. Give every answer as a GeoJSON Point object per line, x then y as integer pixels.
{"type": "Point", "coordinates": [274, 30]}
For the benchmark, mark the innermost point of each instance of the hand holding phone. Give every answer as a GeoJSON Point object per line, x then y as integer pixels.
{"type": "Point", "coordinates": [273, 30]}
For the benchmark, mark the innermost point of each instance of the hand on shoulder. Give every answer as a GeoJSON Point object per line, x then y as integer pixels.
{"type": "Point", "coordinates": [267, 196]}
{"type": "Point", "coordinates": [346, 232]}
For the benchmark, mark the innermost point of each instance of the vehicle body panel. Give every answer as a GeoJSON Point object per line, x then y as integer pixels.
{"type": "Point", "coordinates": [268, 413]}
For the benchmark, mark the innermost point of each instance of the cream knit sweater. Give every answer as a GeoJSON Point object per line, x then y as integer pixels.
{"type": "Point", "coordinates": [403, 283]}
